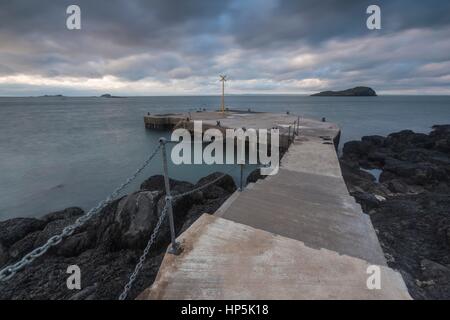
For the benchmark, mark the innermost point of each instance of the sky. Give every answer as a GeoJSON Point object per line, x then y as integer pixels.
{"type": "Point", "coordinates": [164, 47]}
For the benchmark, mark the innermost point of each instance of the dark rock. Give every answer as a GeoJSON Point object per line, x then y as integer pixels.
{"type": "Point", "coordinates": [356, 149]}
{"type": "Point", "coordinates": [107, 248]}
{"type": "Point", "coordinates": [75, 245]}
{"type": "Point", "coordinates": [226, 183]}
{"type": "Point", "coordinates": [367, 201]}
{"type": "Point", "coordinates": [53, 228]}
{"type": "Point", "coordinates": [156, 183]}
{"type": "Point", "coordinates": [24, 245]}
{"type": "Point", "coordinates": [413, 223]}
{"type": "Point", "coordinates": [254, 176]}
{"type": "Point", "coordinates": [397, 186]}
{"type": "Point", "coordinates": [399, 141]}
{"type": "Point", "coordinates": [434, 270]}
{"type": "Point", "coordinates": [13, 230]}
{"type": "Point", "coordinates": [4, 256]}
{"type": "Point", "coordinates": [63, 214]}
{"type": "Point", "coordinates": [135, 217]}
{"type": "Point", "coordinates": [377, 141]}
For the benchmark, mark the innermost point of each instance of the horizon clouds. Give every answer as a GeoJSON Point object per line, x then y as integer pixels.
{"type": "Point", "coordinates": [264, 46]}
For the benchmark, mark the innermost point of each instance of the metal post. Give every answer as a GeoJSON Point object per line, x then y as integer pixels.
{"type": "Point", "coordinates": [242, 178]}
{"type": "Point", "coordinates": [289, 135]}
{"type": "Point", "coordinates": [293, 131]}
{"type": "Point", "coordinates": [175, 248]}
{"type": "Point", "coordinates": [298, 124]}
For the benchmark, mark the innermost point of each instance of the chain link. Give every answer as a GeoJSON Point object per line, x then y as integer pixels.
{"type": "Point", "coordinates": [140, 264]}
{"type": "Point", "coordinates": [169, 202]}
{"type": "Point", "coordinates": [178, 196]}
{"type": "Point", "coordinates": [9, 271]}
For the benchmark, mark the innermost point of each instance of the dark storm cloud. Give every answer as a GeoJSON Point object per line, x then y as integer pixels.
{"type": "Point", "coordinates": [304, 45]}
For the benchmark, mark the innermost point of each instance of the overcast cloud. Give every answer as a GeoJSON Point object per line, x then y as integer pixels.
{"type": "Point", "coordinates": [167, 47]}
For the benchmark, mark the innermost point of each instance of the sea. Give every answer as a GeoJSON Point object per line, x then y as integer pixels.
{"type": "Point", "coordinates": [57, 152]}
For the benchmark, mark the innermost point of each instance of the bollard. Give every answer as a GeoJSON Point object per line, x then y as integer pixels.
{"type": "Point", "coordinates": [175, 248]}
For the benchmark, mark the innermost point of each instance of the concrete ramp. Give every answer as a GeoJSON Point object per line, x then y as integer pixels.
{"type": "Point", "coordinates": [223, 259]}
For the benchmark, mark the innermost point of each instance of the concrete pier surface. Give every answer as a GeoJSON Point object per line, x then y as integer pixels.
{"type": "Point", "coordinates": [294, 235]}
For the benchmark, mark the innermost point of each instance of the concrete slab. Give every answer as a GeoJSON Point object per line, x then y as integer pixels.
{"type": "Point", "coordinates": [316, 225]}
{"type": "Point", "coordinates": [227, 260]}
{"type": "Point", "coordinates": [312, 155]}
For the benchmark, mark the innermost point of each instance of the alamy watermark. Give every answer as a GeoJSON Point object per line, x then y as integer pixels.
{"type": "Point", "coordinates": [234, 140]}
{"type": "Point", "coordinates": [73, 21]}
{"type": "Point", "coordinates": [73, 282]}
{"type": "Point", "coordinates": [373, 281]}
{"type": "Point", "coordinates": [374, 20]}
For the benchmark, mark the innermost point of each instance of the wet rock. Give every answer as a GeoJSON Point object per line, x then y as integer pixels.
{"type": "Point", "coordinates": [368, 201]}
{"type": "Point", "coordinates": [413, 220]}
{"type": "Point", "coordinates": [135, 217]}
{"type": "Point", "coordinates": [377, 141]}
{"type": "Point", "coordinates": [63, 214]}
{"type": "Point", "coordinates": [23, 246]}
{"type": "Point", "coordinates": [226, 183]}
{"type": "Point", "coordinates": [397, 186]}
{"type": "Point", "coordinates": [156, 183]}
{"type": "Point", "coordinates": [107, 248]}
{"type": "Point", "coordinates": [15, 229]}
{"type": "Point", "coordinates": [434, 270]}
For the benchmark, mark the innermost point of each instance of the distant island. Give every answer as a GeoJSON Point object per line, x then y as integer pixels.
{"type": "Point", "coordinates": [107, 95]}
{"type": "Point", "coordinates": [354, 92]}
{"type": "Point", "coordinates": [51, 96]}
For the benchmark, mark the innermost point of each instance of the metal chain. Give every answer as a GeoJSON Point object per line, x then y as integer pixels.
{"type": "Point", "coordinates": [175, 197]}
{"type": "Point", "coordinates": [140, 264]}
{"type": "Point", "coordinates": [9, 271]}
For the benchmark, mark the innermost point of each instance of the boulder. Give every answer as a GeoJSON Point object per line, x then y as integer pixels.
{"type": "Point", "coordinates": [434, 270]}
{"type": "Point", "coordinates": [376, 141]}
{"type": "Point", "coordinates": [397, 186]}
{"type": "Point", "coordinates": [368, 201]}
{"type": "Point", "coordinates": [24, 245]}
{"type": "Point", "coordinates": [13, 230]}
{"type": "Point", "coordinates": [107, 248]}
{"type": "Point", "coordinates": [226, 183]}
{"type": "Point", "coordinates": [156, 183]}
{"type": "Point", "coordinates": [63, 214]}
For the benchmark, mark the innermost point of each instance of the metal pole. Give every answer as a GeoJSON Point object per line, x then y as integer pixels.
{"type": "Point", "coordinates": [242, 178]}
{"type": "Point", "coordinates": [293, 131]}
{"type": "Point", "coordinates": [289, 135]}
{"type": "Point", "coordinates": [223, 96]}
{"type": "Point", "coordinates": [298, 124]}
{"type": "Point", "coordinates": [175, 248]}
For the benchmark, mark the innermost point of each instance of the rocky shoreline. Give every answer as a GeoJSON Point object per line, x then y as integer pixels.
{"type": "Point", "coordinates": [108, 247]}
{"type": "Point", "coordinates": [410, 203]}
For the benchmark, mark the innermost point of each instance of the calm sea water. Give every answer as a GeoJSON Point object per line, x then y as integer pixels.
{"type": "Point", "coordinates": [60, 152]}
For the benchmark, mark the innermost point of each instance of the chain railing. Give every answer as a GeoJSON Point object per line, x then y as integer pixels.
{"type": "Point", "coordinates": [168, 209]}
{"type": "Point", "coordinates": [9, 271]}
{"type": "Point", "coordinates": [140, 264]}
